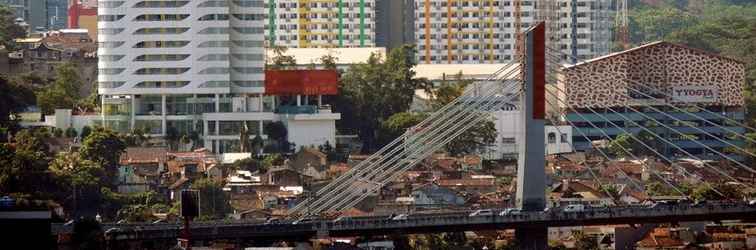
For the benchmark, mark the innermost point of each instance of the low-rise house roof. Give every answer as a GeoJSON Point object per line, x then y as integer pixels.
{"type": "Point", "coordinates": [143, 155]}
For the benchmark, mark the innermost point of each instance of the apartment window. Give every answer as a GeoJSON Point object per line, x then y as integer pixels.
{"type": "Point", "coordinates": [214, 57]}
{"type": "Point", "coordinates": [109, 18]}
{"type": "Point", "coordinates": [552, 138]}
{"type": "Point", "coordinates": [110, 58]}
{"type": "Point", "coordinates": [249, 17]}
{"type": "Point", "coordinates": [214, 30]}
{"type": "Point", "coordinates": [161, 17]}
{"type": "Point", "coordinates": [155, 31]}
{"type": "Point", "coordinates": [160, 4]}
{"type": "Point", "coordinates": [249, 84]}
{"type": "Point", "coordinates": [110, 71]}
{"type": "Point", "coordinates": [563, 138]}
{"type": "Point", "coordinates": [110, 31]}
{"type": "Point", "coordinates": [249, 3]}
{"type": "Point", "coordinates": [214, 44]}
{"type": "Point", "coordinates": [160, 58]}
{"type": "Point", "coordinates": [109, 4]}
{"type": "Point", "coordinates": [213, 3]}
{"type": "Point", "coordinates": [248, 70]}
{"type": "Point", "coordinates": [215, 84]}
{"type": "Point", "coordinates": [109, 45]}
{"type": "Point", "coordinates": [214, 17]}
{"type": "Point", "coordinates": [161, 44]}
{"type": "Point", "coordinates": [161, 71]}
{"type": "Point", "coordinates": [248, 57]}
{"type": "Point", "coordinates": [214, 71]}
{"type": "Point", "coordinates": [110, 85]}
{"type": "Point", "coordinates": [162, 84]}
{"type": "Point", "coordinates": [508, 140]}
{"type": "Point", "coordinates": [248, 30]}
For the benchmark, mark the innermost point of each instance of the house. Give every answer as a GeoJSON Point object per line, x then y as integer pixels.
{"type": "Point", "coordinates": [140, 169]}
{"type": "Point", "coordinates": [241, 181]}
{"type": "Point", "coordinates": [664, 238]}
{"type": "Point", "coordinates": [336, 170]}
{"type": "Point", "coordinates": [470, 185]}
{"type": "Point", "coordinates": [579, 192]}
{"type": "Point", "coordinates": [432, 195]}
{"type": "Point", "coordinates": [283, 176]}
{"type": "Point", "coordinates": [309, 157]}
{"type": "Point", "coordinates": [472, 162]}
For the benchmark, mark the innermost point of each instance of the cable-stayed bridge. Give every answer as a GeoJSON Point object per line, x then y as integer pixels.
{"type": "Point", "coordinates": [535, 83]}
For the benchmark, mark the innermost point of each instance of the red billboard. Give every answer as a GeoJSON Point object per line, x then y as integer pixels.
{"type": "Point", "coordinates": [301, 82]}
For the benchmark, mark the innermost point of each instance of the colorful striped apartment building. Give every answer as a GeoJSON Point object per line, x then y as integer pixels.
{"type": "Point", "coordinates": [320, 23]}
{"type": "Point", "coordinates": [483, 31]}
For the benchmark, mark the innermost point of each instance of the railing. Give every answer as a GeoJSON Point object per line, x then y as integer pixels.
{"type": "Point", "coordinates": [306, 109]}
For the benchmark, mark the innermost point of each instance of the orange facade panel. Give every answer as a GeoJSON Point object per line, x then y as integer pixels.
{"type": "Point", "coordinates": [301, 82]}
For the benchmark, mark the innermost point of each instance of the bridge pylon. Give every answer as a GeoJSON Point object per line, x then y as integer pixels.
{"type": "Point", "coordinates": [531, 177]}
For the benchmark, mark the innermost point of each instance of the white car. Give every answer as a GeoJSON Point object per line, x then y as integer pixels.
{"type": "Point", "coordinates": [574, 208]}
{"type": "Point", "coordinates": [400, 217]}
{"type": "Point", "coordinates": [482, 212]}
{"type": "Point", "coordinates": [510, 211]}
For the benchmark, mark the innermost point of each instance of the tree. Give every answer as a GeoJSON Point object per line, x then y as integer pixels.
{"type": "Point", "coordinates": [81, 176]}
{"type": "Point", "coordinates": [398, 123]}
{"type": "Point", "coordinates": [257, 144]}
{"type": "Point", "coordinates": [22, 171]}
{"type": "Point", "coordinates": [9, 30]}
{"type": "Point", "coordinates": [85, 131]}
{"type": "Point", "coordinates": [707, 192]}
{"type": "Point", "coordinates": [250, 164]}
{"type": "Point", "coordinates": [213, 200]}
{"type": "Point", "coordinates": [329, 61]}
{"type": "Point", "coordinates": [14, 98]}
{"type": "Point", "coordinates": [373, 91]}
{"type": "Point", "coordinates": [104, 146]}
{"type": "Point", "coordinates": [171, 137]}
{"type": "Point", "coordinates": [70, 133]}
{"type": "Point", "coordinates": [64, 93]}
{"type": "Point", "coordinates": [277, 132]}
{"type": "Point", "coordinates": [583, 241]}
{"type": "Point", "coordinates": [280, 60]}
{"type": "Point", "coordinates": [87, 234]}
{"type": "Point", "coordinates": [474, 140]}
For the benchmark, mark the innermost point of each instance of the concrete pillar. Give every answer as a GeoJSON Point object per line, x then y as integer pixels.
{"type": "Point", "coordinates": [531, 177]}
{"type": "Point", "coordinates": [320, 100]}
{"type": "Point", "coordinates": [299, 100]}
{"type": "Point", "coordinates": [217, 103]}
{"type": "Point", "coordinates": [133, 113]}
{"type": "Point", "coordinates": [260, 102]}
{"type": "Point", "coordinates": [164, 112]}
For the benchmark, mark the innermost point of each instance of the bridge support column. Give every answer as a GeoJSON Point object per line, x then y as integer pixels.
{"type": "Point", "coordinates": [531, 177]}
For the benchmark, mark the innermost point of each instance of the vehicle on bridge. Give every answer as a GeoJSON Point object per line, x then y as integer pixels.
{"type": "Point", "coordinates": [511, 211]}
{"type": "Point", "coordinates": [482, 212]}
{"type": "Point", "coordinates": [574, 208]}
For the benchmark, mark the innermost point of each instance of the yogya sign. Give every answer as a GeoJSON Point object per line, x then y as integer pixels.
{"type": "Point", "coordinates": [695, 94]}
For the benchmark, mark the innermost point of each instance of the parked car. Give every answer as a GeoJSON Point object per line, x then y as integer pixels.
{"type": "Point", "coordinates": [752, 203]}
{"type": "Point", "coordinates": [572, 208]}
{"type": "Point", "coordinates": [482, 212]}
{"type": "Point", "coordinates": [510, 211]}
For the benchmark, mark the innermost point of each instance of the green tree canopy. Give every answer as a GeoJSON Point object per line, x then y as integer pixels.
{"type": "Point", "coordinates": [64, 93]}
{"type": "Point", "coordinates": [213, 200]}
{"type": "Point", "coordinates": [104, 146]}
{"type": "Point", "coordinates": [9, 30]}
{"type": "Point", "coordinates": [14, 98]}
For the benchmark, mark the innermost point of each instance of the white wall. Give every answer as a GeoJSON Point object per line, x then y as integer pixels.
{"type": "Point", "coordinates": [563, 142]}
{"type": "Point", "coordinates": [311, 132]}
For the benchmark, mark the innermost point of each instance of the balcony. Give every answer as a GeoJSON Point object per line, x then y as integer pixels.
{"type": "Point", "coordinates": [293, 110]}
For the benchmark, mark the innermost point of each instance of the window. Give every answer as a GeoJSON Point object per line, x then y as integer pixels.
{"type": "Point", "coordinates": [249, 17]}
{"type": "Point", "coordinates": [160, 4]}
{"type": "Point", "coordinates": [110, 85]}
{"type": "Point", "coordinates": [160, 58]}
{"type": "Point", "coordinates": [162, 84]}
{"type": "Point", "coordinates": [161, 44]}
{"type": "Point", "coordinates": [214, 71]}
{"type": "Point", "coordinates": [214, 44]}
{"type": "Point", "coordinates": [564, 138]}
{"type": "Point", "coordinates": [214, 57]}
{"type": "Point", "coordinates": [110, 71]}
{"type": "Point", "coordinates": [154, 31]}
{"type": "Point", "coordinates": [248, 30]}
{"type": "Point", "coordinates": [248, 3]}
{"type": "Point", "coordinates": [214, 30]}
{"type": "Point", "coordinates": [161, 71]}
{"type": "Point", "coordinates": [213, 3]}
{"type": "Point", "coordinates": [161, 17]}
{"type": "Point", "coordinates": [214, 17]}
{"type": "Point", "coordinates": [215, 84]}
{"type": "Point", "coordinates": [110, 58]}
{"type": "Point", "coordinates": [552, 138]}
{"type": "Point", "coordinates": [248, 57]}
{"type": "Point", "coordinates": [249, 84]}
{"type": "Point", "coordinates": [109, 4]}
{"type": "Point", "coordinates": [109, 18]}
{"type": "Point", "coordinates": [248, 70]}
{"type": "Point", "coordinates": [110, 31]}
{"type": "Point", "coordinates": [247, 43]}
{"type": "Point", "coordinates": [109, 45]}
